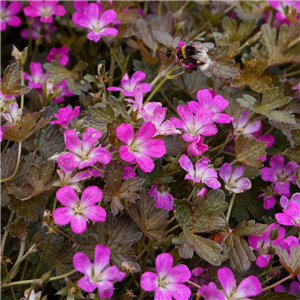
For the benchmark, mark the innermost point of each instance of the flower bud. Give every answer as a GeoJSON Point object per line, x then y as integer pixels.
{"type": "Point", "coordinates": [274, 233]}
{"type": "Point", "coordinates": [19, 56]}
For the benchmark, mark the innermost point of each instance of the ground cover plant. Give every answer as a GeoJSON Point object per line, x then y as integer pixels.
{"type": "Point", "coordinates": [150, 150]}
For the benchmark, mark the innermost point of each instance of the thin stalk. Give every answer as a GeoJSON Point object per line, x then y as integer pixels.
{"type": "Point", "coordinates": [3, 240]}
{"type": "Point", "coordinates": [277, 283]}
{"type": "Point", "coordinates": [145, 249]}
{"type": "Point", "coordinates": [192, 193]}
{"type": "Point", "coordinates": [159, 9]}
{"type": "Point", "coordinates": [35, 50]}
{"type": "Point", "coordinates": [5, 147]}
{"type": "Point", "coordinates": [111, 69]}
{"type": "Point", "coordinates": [168, 76]}
{"type": "Point", "coordinates": [68, 18]}
{"type": "Point", "coordinates": [64, 234]}
{"type": "Point", "coordinates": [194, 284]}
{"type": "Point", "coordinates": [289, 74]}
{"type": "Point", "coordinates": [22, 83]}
{"type": "Point", "coordinates": [169, 222]}
{"type": "Point", "coordinates": [228, 153]}
{"type": "Point", "coordinates": [141, 295]}
{"type": "Point", "coordinates": [119, 63]}
{"type": "Point", "coordinates": [17, 165]}
{"type": "Point", "coordinates": [230, 207]}
{"type": "Point", "coordinates": [173, 228]}
{"type": "Point", "coordinates": [11, 288]}
{"type": "Point", "coordinates": [24, 282]}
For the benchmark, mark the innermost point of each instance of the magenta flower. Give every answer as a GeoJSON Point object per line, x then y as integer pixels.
{"type": "Point", "coordinates": [248, 287]}
{"type": "Point", "coordinates": [77, 212]}
{"type": "Point", "coordinates": [197, 147]}
{"type": "Point", "coordinates": [95, 23]}
{"type": "Point", "coordinates": [208, 99]}
{"type": "Point", "coordinates": [128, 172]}
{"type": "Point", "coordinates": [163, 199]}
{"type": "Point", "coordinates": [44, 9]}
{"type": "Point", "coordinates": [210, 292]}
{"type": "Point", "coordinates": [200, 124]}
{"type": "Point", "coordinates": [202, 173]}
{"type": "Point", "coordinates": [293, 289]}
{"type": "Point", "coordinates": [97, 276]}
{"type": "Point", "coordinates": [59, 54]}
{"type": "Point", "coordinates": [233, 180]}
{"type": "Point", "coordinates": [72, 180]}
{"type": "Point", "coordinates": [140, 147]}
{"type": "Point", "coordinates": [39, 31]}
{"type": "Point", "coordinates": [291, 211]}
{"type": "Point", "coordinates": [280, 5]}
{"type": "Point", "coordinates": [63, 92]}
{"type": "Point", "coordinates": [154, 113]}
{"type": "Point", "coordinates": [263, 244]}
{"type": "Point", "coordinates": [280, 175]}
{"type": "Point", "coordinates": [242, 125]}
{"type": "Point", "coordinates": [82, 153]}
{"type": "Point", "coordinates": [129, 84]}
{"type": "Point", "coordinates": [37, 77]}
{"type": "Point", "coordinates": [7, 15]}
{"type": "Point", "coordinates": [2, 129]}
{"type": "Point", "coordinates": [168, 282]}
{"type": "Point", "coordinates": [65, 116]}
{"type": "Point", "coordinates": [137, 103]}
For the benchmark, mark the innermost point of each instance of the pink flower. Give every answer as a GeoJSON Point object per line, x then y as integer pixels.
{"type": "Point", "coordinates": [280, 175]}
{"type": "Point", "coordinates": [200, 124]}
{"type": "Point", "coordinates": [210, 292]}
{"type": "Point", "coordinates": [72, 180]}
{"type": "Point", "coordinates": [95, 23]}
{"type": "Point", "coordinates": [242, 125]}
{"type": "Point", "coordinates": [264, 242]}
{"type": "Point", "coordinates": [97, 276]}
{"type": "Point", "coordinates": [37, 76]}
{"type": "Point", "coordinates": [154, 113]}
{"type": "Point", "coordinates": [65, 116]}
{"type": "Point", "coordinates": [197, 147]}
{"type": "Point", "coordinates": [78, 211]}
{"type": "Point", "coordinates": [202, 173]}
{"type": "Point", "coordinates": [45, 10]}
{"type": "Point", "coordinates": [163, 199]}
{"type": "Point", "coordinates": [280, 5]}
{"type": "Point", "coordinates": [129, 84]}
{"type": "Point", "coordinates": [7, 15]}
{"type": "Point", "coordinates": [137, 103]}
{"type": "Point", "coordinates": [140, 147]}
{"type": "Point", "coordinates": [63, 92]}
{"type": "Point", "coordinates": [2, 129]}
{"type": "Point", "coordinates": [168, 282]}
{"type": "Point", "coordinates": [82, 153]}
{"type": "Point", "coordinates": [208, 99]}
{"type": "Point", "coordinates": [291, 211]}
{"type": "Point", "coordinates": [59, 54]}
{"type": "Point", "coordinates": [39, 31]}
{"type": "Point", "coordinates": [250, 286]}
{"type": "Point", "coordinates": [233, 180]}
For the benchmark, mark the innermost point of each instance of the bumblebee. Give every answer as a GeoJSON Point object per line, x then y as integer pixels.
{"type": "Point", "coordinates": [195, 297]}
{"type": "Point", "coordinates": [195, 54]}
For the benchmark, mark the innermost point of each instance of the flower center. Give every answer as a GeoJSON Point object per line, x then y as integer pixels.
{"type": "Point", "coordinates": [96, 276]}
{"type": "Point", "coordinates": [83, 155]}
{"type": "Point", "coordinates": [3, 15]}
{"type": "Point", "coordinates": [79, 209]}
{"type": "Point", "coordinates": [162, 282]}
{"type": "Point", "coordinates": [57, 56]}
{"type": "Point", "coordinates": [282, 176]}
{"type": "Point", "coordinates": [97, 26]}
{"type": "Point", "coordinates": [46, 12]}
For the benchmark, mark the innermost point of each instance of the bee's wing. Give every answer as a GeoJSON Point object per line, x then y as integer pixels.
{"type": "Point", "coordinates": [204, 46]}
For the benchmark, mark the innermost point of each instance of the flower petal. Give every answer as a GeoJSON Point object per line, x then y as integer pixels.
{"type": "Point", "coordinates": [13, 21]}
{"type": "Point", "coordinates": [82, 263]}
{"type": "Point", "coordinates": [86, 284]}
{"type": "Point", "coordinates": [163, 264]}
{"type": "Point", "coordinates": [227, 280]}
{"type": "Point", "coordinates": [67, 196]}
{"type": "Point", "coordinates": [95, 213]}
{"type": "Point", "coordinates": [68, 161]}
{"type": "Point", "coordinates": [59, 10]}
{"type": "Point", "coordinates": [125, 154]}
{"type": "Point", "coordinates": [146, 132]}
{"type": "Point", "coordinates": [105, 289]}
{"type": "Point", "coordinates": [179, 274]}
{"type": "Point", "coordinates": [90, 196]}
{"type": "Point", "coordinates": [225, 172]}
{"type": "Point", "coordinates": [154, 148]}
{"type": "Point", "coordinates": [137, 77]}
{"type": "Point", "coordinates": [149, 281]}
{"type": "Point", "coordinates": [102, 257]}
{"type": "Point", "coordinates": [186, 164]}
{"type": "Point", "coordinates": [125, 133]}
{"type": "Point", "coordinates": [109, 31]}
{"type": "Point", "coordinates": [250, 286]}
{"type": "Point", "coordinates": [31, 12]}
{"type": "Point", "coordinates": [63, 215]}
{"type": "Point", "coordinates": [144, 162]}
{"type": "Point", "coordinates": [162, 294]}
{"type": "Point", "coordinates": [78, 224]}
{"type": "Point", "coordinates": [112, 273]}
{"type": "Point", "coordinates": [89, 138]}
{"type": "Point", "coordinates": [72, 141]}
{"type": "Point", "coordinates": [179, 291]}
{"type": "Point", "coordinates": [107, 17]}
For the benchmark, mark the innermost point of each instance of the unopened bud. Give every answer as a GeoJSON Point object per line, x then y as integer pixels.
{"type": "Point", "coordinates": [19, 56]}
{"type": "Point", "coordinates": [274, 234]}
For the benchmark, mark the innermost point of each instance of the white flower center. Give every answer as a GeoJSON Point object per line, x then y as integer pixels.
{"type": "Point", "coordinates": [79, 209]}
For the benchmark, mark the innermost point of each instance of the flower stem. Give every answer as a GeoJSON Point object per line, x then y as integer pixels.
{"type": "Point", "coordinates": [119, 63]}
{"type": "Point", "coordinates": [5, 147]}
{"type": "Point", "coordinates": [192, 193]}
{"type": "Point", "coordinates": [168, 76]}
{"type": "Point", "coordinates": [145, 249]}
{"type": "Point", "coordinates": [141, 295]}
{"type": "Point", "coordinates": [173, 228]}
{"type": "Point", "coordinates": [6, 233]}
{"type": "Point", "coordinates": [277, 283]}
{"type": "Point", "coordinates": [194, 284]}
{"type": "Point", "coordinates": [230, 207]}
{"type": "Point", "coordinates": [17, 165]}
{"type": "Point", "coordinates": [22, 83]}
{"type": "Point", "coordinates": [64, 234]}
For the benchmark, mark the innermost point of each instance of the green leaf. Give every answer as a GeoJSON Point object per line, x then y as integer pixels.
{"type": "Point", "coordinates": [48, 141]}
{"type": "Point", "coordinates": [235, 33]}
{"type": "Point", "coordinates": [293, 153]}
{"type": "Point", "coordinates": [148, 217]}
{"type": "Point", "coordinates": [75, 80]}
{"type": "Point", "coordinates": [277, 296]}
{"type": "Point", "coordinates": [272, 99]}
{"type": "Point", "coordinates": [204, 215]}
{"type": "Point", "coordinates": [296, 136]}
{"type": "Point", "coordinates": [11, 77]}
{"type": "Point", "coordinates": [252, 76]}
{"type": "Point", "coordinates": [290, 260]}
{"type": "Point", "coordinates": [246, 228]}
{"type": "Point", "coordinates": [27, 209]}
{"type": "Point", "coordinates": [249, 151]}
{"type": "Point", "coordinates": [277, 44]}
{"type": "Point", "coordinates": [116, 191]}
{"type": "Point", "coordinates": [28, 125]}
{"type": "Point", "coordinates": [9, 161]}
{"type": "Point", "coordinates": [117, 233]}
{"type": "Point", "coordinates": [39, 178]}
{"type": "Point", "coordinates": [17, 228]}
